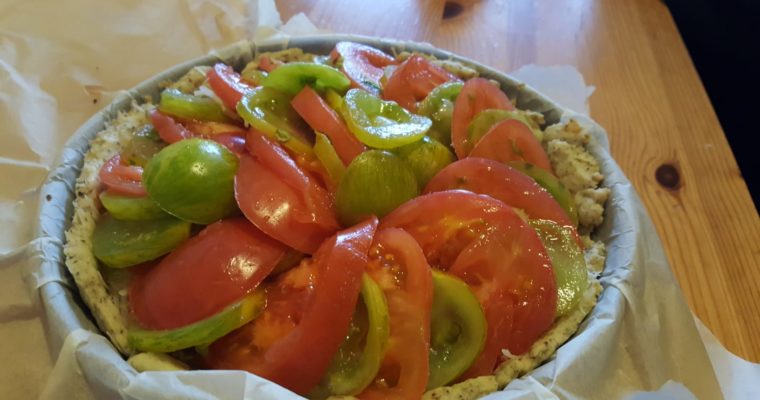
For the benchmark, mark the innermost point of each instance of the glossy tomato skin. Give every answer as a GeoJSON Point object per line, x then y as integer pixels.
{"type": "Point", "coordinates": [504, 183]}
{"type": "Point", "coordinates": [286, 297]}
{"type": "Point", "coordinates": [299, 352]}
{"type": "Point", "coordinates": [219, 266]}
{"type": "Point", "coordinates": [511, 140]}
{"type": "Point", "coordinates": [315, 111]}
{"type": "Point", "coordinates": [282, 200]}
{"type": "Point", "coordinates": [399, 267]}
{"type": "Point", "coordinates": [226, 84]}
{"type": "Point", "coordinates": [477, 94]}
{"type": "Point", "coordinates": [413, 80]}
{"type": "Point", "coordinates": [523, 288]}
{"type": "Point", "coordinates": [232, 141]}
{"type": "Point", "coordinates": [168, 129]}
{"type": "Point", "coordinates": [122, 179]}
{"type": "Point", "coordinates": [486, 244]}
{"type": "Point", "coordinates": [362, 64]}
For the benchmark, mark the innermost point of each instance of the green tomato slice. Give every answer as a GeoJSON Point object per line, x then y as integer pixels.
{"type": "Point", "coordinates": [290, 78]}
{"type": "Point", "coordinates": [375, 183]}
{"type": "Point", "coordinates": [119, 244]}
{"type": "Point", "coordinates": [426, 157]}
{"type": "Point", "coordinates": [334, 100]}
{"type": "Point", "coordinates": [144, 145]}
{"type": "Point", "coordinates": [479, 126]}
{"type": "Point", "coordinates": [567, 260]}
{"type": "Point", "coordinates": [253, 76]}
{"type": "Point", "coordinates": [359, 357]}
{"type": "Point", "coordinates": [188, 106]}
{"type": "Point", "coordinates": [381, 124]}
{"type": "Point", "coordinates": [130, 208]}
{"type": "Point", "coordinates": [193, 180]}
{"type": "Point", "coordinates": [268, 111]}
{"type": "Point", "coordinates": [457, 329]}
{"type": "Point", "coordinates": [552, 185]}
{"type": "Point", "coordinates": [202, 332]}
{"type": "Point", "coordinates": [329, 158]}
{"type": "Point", "coordinates": [438, 105]}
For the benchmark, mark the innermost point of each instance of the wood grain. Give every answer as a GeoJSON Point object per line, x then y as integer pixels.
{"type": "Point", "coordinates": [648, 97]}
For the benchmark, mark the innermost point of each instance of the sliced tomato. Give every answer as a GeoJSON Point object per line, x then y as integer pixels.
{"type": "Point", "coordinates": [503, 183]}
{"type": "Point", "coordinates": [400, 269]}
{"type": "Point", "coordinates": [122, 179]}
{"type": "Point", "coordinates": [486, 244]}
{"type": "Point", "coordinates": [413, 80]}
{"type": "Point", "coordinates": [168, 129]}
{"type": "Point", "coordinates": [313, 167]}
{"type": "Point", "coordinates": [234, 142]}
{"type": "Point", "coordinates": [477, 94]}
{"type": "Point", "coordinates": [315, 111]}
{"type": "Point", "coordinates": [362, 64]}
{"type": "Point", "coordinates": [290, 171]}
{"type": "Point", "coordinates": [294, 348]}
{"type": "Point", "coordinates": [280, 199]}
{"type": "Point", "coordinates": [172, 130]}
{"type": "Point", "coordinates": [285, 301]}
{"type": "Point", "coordinates": [226, 84]}
{"type": "Point", "coordinates": [211, 128]}
{"type": "Point", "coordinates": [267, 64]}
{"type": "Point", "coordinates": [511, 140]}
{"type": "Point", "coordinates": [219, 266]}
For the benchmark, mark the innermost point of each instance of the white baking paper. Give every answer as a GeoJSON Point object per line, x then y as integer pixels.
{"type": "Point", "coordinates": [54, 75]}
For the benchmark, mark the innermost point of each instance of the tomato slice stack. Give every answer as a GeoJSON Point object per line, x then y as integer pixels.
{"type": "Point", "coordinates": [299, 358]}
{"type": "Point", "coordinates": [471, 222]}
{"type": "Point", "coordinates": [400, 268]}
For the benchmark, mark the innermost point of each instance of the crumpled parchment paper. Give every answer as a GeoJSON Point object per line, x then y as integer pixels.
{"type": "Point", "coordinates": [53, 76]}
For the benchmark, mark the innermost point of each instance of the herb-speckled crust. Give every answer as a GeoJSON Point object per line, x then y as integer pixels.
{"type": "Point", "coordinates": [105, 301]}
{"type": "Point", "coordinates": [567, 147]}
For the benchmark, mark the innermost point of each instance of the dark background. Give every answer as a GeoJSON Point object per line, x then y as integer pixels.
{"type": "Point", "coordinates": [722, 38]}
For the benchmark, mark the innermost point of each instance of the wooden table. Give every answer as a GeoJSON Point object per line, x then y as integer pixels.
{"type": "Point", "coordinates": [662, 127]}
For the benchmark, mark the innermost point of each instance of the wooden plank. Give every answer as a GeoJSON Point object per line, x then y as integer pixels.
{"type": "Point", "coordinates": [651, 101]}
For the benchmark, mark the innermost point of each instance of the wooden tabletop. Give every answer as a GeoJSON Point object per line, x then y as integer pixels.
{"type": "Point", "coordinates": [662, 127]}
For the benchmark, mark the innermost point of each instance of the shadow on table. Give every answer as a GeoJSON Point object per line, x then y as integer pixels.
{"type": "Point", "coordinates": [722, 39]}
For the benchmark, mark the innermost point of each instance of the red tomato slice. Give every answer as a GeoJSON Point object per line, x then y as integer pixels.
{"type": "Point", "coordinates": [400, 269]}
{"type": "Point", "coordinates": [267, 64]}
{"type": "Point", "coordinates": [501, 182]}
{"type": "Point", "coordinates": [220, 265]}
{"type": "Point", "coordinates": [281, 200]}
{"type": "Point", "coordinates": [233, 142]}
{"type": "Point", "coordinates": [226, 84]}
{"type": "Point", "coordinates": [485, 242]}
{"type": "Point", "coordinates": [168, 129]}
{"type": "Point", "coordinates": [413, 80]}
{"type": "Point", "coordinates": [309, 339]}
{"type": "Point", "coordinates": [362, 64]}
{"type": "Point", "coordinates": [122, 179]}
{"type": "Point", "coordinates": [315, 111]}
{"type": "Point", "coordinates": [511, 140]}
{"type": "Point", "coordinates": [171, 130]}
{"type": "Point", "coordinates": [272, 155]}
{"type": "Point", "coordinates": [477, 94]}
{"type": "Point", "coordinates": [314, 168]}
